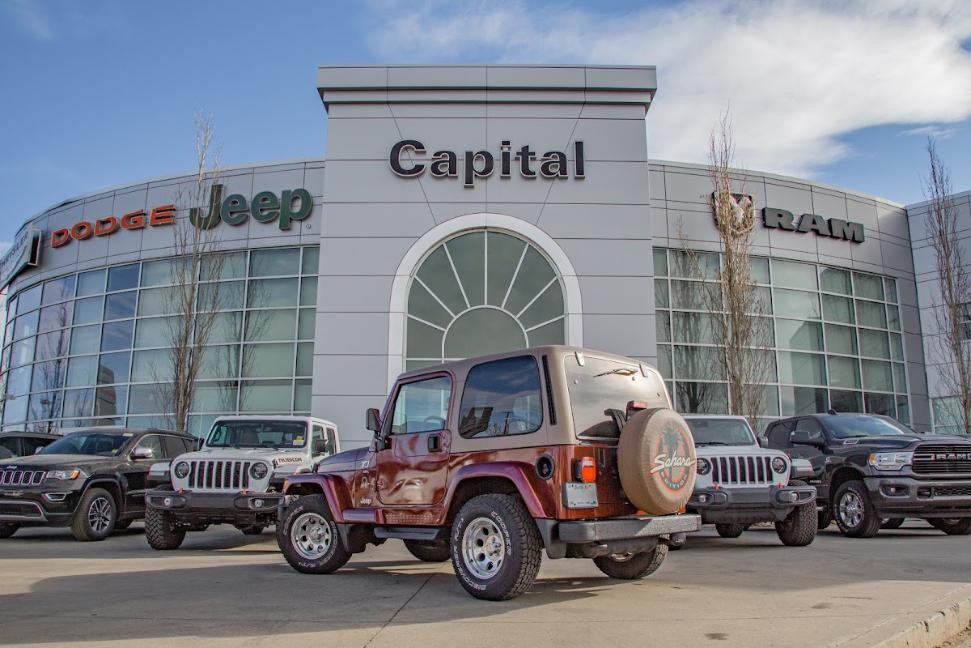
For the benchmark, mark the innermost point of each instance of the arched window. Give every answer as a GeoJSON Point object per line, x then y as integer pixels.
{"type": "Point", "coordinates": [482, 291]}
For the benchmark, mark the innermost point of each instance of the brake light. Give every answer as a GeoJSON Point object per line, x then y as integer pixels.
{"type": "Point", "coordinates": [585, 470]}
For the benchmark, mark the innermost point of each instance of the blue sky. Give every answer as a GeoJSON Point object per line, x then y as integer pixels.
{"type": "Point", "coordinates": [102, 93]}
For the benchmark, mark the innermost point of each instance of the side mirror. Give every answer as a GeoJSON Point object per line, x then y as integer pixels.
{"type": "Point", "coordinates": [373, 422]}
{"type": "Point", "coordinates": [805, 437]}
{"type": "Point", "coordinates": [141, 454]}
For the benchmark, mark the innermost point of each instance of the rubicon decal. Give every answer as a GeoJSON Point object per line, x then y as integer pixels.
{"type": "Point", "coordinates": [265, 207]}
{"type": "Point", "coordinates": [408, 160]}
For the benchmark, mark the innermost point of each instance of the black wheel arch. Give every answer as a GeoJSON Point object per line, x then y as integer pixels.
{"type": "Point", "coordinates": [110, 484]}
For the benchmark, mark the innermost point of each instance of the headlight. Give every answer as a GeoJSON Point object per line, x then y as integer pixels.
{"type": "Point", "coordinates": [182, 469]}
{"type": "Point", "coordinates": [890, 460]}
{"type": "Point", "coordinates": [258, 470]}
{"type": "Point", "coordinates": [63, 474]}
{"type": "Point", "coordinates": [779, 465]}
{"type": "Point", "coordinates": [703, 467]}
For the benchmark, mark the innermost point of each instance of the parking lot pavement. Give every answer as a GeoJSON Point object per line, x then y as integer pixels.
{"type": "Point", "coordinates": [226, 589]}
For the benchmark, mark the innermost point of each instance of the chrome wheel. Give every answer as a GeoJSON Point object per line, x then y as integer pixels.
{"type": "Point", "coordinates": [311, 536]}
{"type": "Point", "coordinates": [851, 509]}
{"type": "Point", "coordinates": [99, 515]}
{"type": "Point", "coordinates": [483, 548]}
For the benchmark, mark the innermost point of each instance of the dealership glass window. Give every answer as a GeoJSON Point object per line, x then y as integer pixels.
{"type": "Point", "coordinates": [663, 319]}
{"type": "Point", "coordinates": [91, 283]}
{"type": "Point", "coordinates": [311, 261]}
{"type": "Point", "coordinates": [222, 361]}
{"type": "Point", "coordinates": [45, 406]}
{"type": "Point", "coordinates": [15, 409]}
{"type": "Point", "coordinates": [480, 280]}
{"type": "Point", "coordinates": [150, 366]}
{"type": "Point", "coordinates": [802, 400]}
{"type": "Point", "coordinates": [120, 305]}
{"type": "Point", "coordinates": [123, 277]}
{"type": "Point", "coordinates": [877, 376]}
{"type": "Point", "coordinates": [868, 286]}
{"type": "Point", "coordinates": [660, 262]}
{"type": "Point", "coordinates": [306, 325]}
{"type": "Point", "coordinates": [793, 334]}
{"type": "Point", "coordinates": [308, 291]}
{"type": "Point", "coordinates": [664, 361]}
{"type": "Point", "coordinates": [23, 352]}
{"type": "Point", "coordinates": [113, 367]}
{"type": "Point", "coordinates": [214, 396]}
{"type": "Point", "coordinates": [268, 360]}
{"type": "Point", "coordinates": [161, 301]}
{"type": "Point", "coordinates": [845, 401]}
{"type": "Point", "coordinates": [871, 314]}
{"type": "Point", "coordinates": [117, 335]}
{"type": "Point", "coordinates": [54, 317]}
{"type": "Point", "coordinates": [694, 264]}
{"type": "Point", "coordinates": [26, 325]}
{"type": "Point", "coordinates": [266, 325]}
{"type": "Point", "coordinates": [229, 265]}
{"type": "Point", "coordinates": [797, 304]}
{"type": "Point", "coordinates": [843, 372]}
{"type": "Point", "coordinates": [85, 339]}
{"type": "Point", "coordinates": [267, 293]}
{"type": "Point", "coordinates": [874, 344]}
{"type": "Point", "coordinates": [801, 368]}
{"type": "Point", "coordinates": [301, 396]}
{"type": "Point", "coordinates": [305, 359]}
{"type": "Point", "coordinates": [893, 317]}
{"type": "Point", "coordinates": [57, 290]}
{"type": "Point", "coordinates": [52, 345]}
{"type": "Point", "coordinates": [273, 262]}
{"type": "Point", "coordinates": [698, 363]}
{"type": "Point", "coordinates": [838, 309]}
{"type": "Point", "coordinates": [82, 370]}
{"type": "Point", "coordinates": [110, 400]}
{"type": "Point", "coordinates": [147, 399]}
{"type": "Point", "coordinates": [226, 327]}
{"type": "Point", "coordinates": [18, 381]}
{"type": "Point", "coordinates": [880, 404]}
{"type": "Point", "coordinates": [694, 327]}
{"type": "Point", "coordinates": [154, 331]}
{"type": "Point", "coordinates": [789, 274]}
{"type": "Point", "coordinates": [841, 339]}
{"type": "Point", "coordinates": [29, 299]}
{"type": "Point", "coordinates": [265, 396]}
{"type": "Point", "coordinates": [159, 273]}
{"type": "Point", "coordinates": [223, 295]}
{"type": "Point", "coordinates": [89, 310]}
{"type": "Point", "coordinates": [760, 270]}
{"type": "Point", "coordinates": [661, 297]}
{"type": "Point", "coordinates": [48, 376]}
{"type": "Point", "coordinates": [899, 378]}
{"type": "Point", "coordinates": [701, 397]}
{"type": "Point", "coordinates": [835, 281]}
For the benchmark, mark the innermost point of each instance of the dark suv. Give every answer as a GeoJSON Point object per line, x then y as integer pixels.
{"type": "Point", "coordinates": [871, 470]}
{"type": "Point", "coordinates": [92, 480]}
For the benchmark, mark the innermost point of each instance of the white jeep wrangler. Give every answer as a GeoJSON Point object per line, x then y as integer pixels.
{"type": "Point", "coordinates": [236, 477]}
{"type": "Point", "coordinates": [740, 483]}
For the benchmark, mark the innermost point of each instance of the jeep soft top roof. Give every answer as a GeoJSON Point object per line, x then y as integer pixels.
{"type": "Point", "coordinates": [552, 350]}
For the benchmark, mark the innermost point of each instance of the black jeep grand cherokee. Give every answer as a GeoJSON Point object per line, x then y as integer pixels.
{"type": "Point", "coordinates": [93, 481]}
{"type": "Point", "coordinates": [870, 470]}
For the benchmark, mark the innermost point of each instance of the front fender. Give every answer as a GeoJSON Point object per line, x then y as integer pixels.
{"type": "Point", "coordinates": [331, 487]}
{"type": "Point", "coordinates": [535, 492]}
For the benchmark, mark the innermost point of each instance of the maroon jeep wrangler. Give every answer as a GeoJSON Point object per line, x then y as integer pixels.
{"type": "Point", "coordinates": [489, 460]}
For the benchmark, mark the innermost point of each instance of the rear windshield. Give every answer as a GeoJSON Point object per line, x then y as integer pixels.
{"type": "Point", "coordinates": [600, 390]}
{"type": "Point", "coordinates": [258, 434]}
{"type": "Point", "coordinates": [848, 427]}
{"type": "Point", "coordinates": [720, 431]}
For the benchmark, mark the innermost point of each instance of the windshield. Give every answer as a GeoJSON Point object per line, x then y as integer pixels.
{"type": "Point", "coordinates": [600, 391]}
{"type": "Point", "coordinates": [720, 431]}
{"type": "Point", "coordinates": [848, 427]}
{"type": "Point", "coordinates": [258, 434]}
{"type": "Point", "coordinates": [88, 443]}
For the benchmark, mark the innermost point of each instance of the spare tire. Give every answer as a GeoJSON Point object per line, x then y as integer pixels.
{"type": "Point", "coordinates": [656, 461]}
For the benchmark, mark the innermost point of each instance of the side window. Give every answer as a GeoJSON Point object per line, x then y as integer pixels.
{"type": "Point", "coordinates": [501, 398]}
{"type": "Point", "coordinates": [421, 406]}
{"type": "Point", "coordinates": [8, 448]}
{"type": "Point", "coordinates": [811, 427]}
{"type": "Point", "coordinates": [331, 440]}
{"type": "Point", "coordinates": [316, 435]}
{"type": "Point", "coordinates": [174, 446]}
{"type": "Point", "coordinates": [154, 443]}
{"type": "Point", "coordinates": [778, 435]}
{"type": "Point", "coordinates": [31, 445]}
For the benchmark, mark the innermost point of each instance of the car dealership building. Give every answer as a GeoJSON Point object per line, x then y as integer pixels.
{"type": "Point", "coordinates": [462, 211]}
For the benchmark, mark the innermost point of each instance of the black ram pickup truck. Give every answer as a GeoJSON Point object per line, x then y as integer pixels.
{"type": "Point", "coordinates": [871, 471]}
{"type": "Point", "coordinates": [92, 480]}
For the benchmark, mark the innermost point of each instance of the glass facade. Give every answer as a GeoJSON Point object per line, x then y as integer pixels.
{"type": "Point", "coordinates": [482, 281]}
{"type": "Point", "coordinates": [836, 340]}
{"type": "Point", "coordinates": [93, 348]}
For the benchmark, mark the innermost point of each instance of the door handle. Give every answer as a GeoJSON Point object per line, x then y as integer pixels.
{"type": "Point", "coordinates": [434, 443]}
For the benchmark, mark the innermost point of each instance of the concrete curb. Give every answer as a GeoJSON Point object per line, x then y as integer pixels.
{"type": "Point", "coordinates": [934, 630]}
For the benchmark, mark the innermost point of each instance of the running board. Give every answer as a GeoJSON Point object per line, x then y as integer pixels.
{"type": "Point", "coordinates": [428, 534]}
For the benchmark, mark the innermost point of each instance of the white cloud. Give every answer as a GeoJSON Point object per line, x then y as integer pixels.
{"type": "Point", "coordinates": [31, 18]}
{"type": "Point", "coordinates": [795, 75]}
{"type": "Point", "coordinates": [937, 132]}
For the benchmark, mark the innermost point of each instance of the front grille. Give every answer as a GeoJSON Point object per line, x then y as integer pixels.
{"type": "Point", "coordinates": [952, 491]}
{"type": "Point", "coordinates": [742, 470]}
{"type": "Point", "coordinates": [942, 459]}
{"type": "Point", "coordinates": [219, 475]}
{"type": "Point", "coordinates": [16, 477]}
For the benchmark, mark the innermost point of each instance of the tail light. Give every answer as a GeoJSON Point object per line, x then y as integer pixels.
{"type": "Point", "coordinates": [585, 470]}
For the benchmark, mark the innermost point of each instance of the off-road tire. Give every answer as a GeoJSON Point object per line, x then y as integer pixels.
{"type": "Point", "coordinates": [7, 530]}
{"type": "Point", "coordinates": [892, 523]}
{"type": "Point", "coordinates": [81, 525]}
{"type": "Point", "coordinates": [823, 519]}
{"type": "Point", "coordinates": [730, 530]}
{"type": "Point", "coordinates": [956, 526]}
{"type": "Point", "coordinates": [162, 531]}
{"type": "Point", "coordinates": [637, 566]}
{"type": "Point", "coordinates": [121, 525]}
{"type": "Point", "coordinates": [434, 552]}
{"type": "Point", "coordinates": [799, 527]}
{"type": "Point", "coordinates": [869, 524]}
{"type": "Point", "coordinates": [252, 530]}
{"type": "Point", "coordinates": [336, 554]}
{"type": "Point", "coordinates": [522, 547]}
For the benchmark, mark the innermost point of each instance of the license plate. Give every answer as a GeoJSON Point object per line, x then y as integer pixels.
{"type": "Point", "coordinates": [580, 495]}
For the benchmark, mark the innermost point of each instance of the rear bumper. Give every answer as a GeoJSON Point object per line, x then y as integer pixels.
{"type": "Point", "coordinates": [762, 504]}
{"type": "Point", "coordinates": [214, 508]}
{"type": "Point", "coordinates": [613, 534]}
{"type": "Point", "coordinates": [908, 497]}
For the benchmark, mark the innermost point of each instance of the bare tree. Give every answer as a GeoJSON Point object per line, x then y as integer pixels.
{"type": "Point", "coordinates": [954, 286]}
{"type": "Point", "coordinates": [736, 308]}
{"type": "Point", "coordinates": [192, 304]}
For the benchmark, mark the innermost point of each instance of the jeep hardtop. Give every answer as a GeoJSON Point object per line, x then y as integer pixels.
{"type": "Point", "coordinates": [487, 461]}
{"type": "Point", "coordinates": [740, 483]}
{"type": "Point", "coordinates": [236, 477]}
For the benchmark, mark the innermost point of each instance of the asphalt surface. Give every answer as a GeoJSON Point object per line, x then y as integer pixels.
{"type": "Point", "coordinates": [225, 589]}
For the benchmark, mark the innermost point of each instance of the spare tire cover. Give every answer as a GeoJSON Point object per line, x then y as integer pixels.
{"type": "Point", "coordinates": [656, 461]}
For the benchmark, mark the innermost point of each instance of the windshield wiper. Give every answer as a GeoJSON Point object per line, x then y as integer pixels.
{"type": "Point", "coordinates": [710, 443]}
{"type": "Point", "coordinates": [623, 371]}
